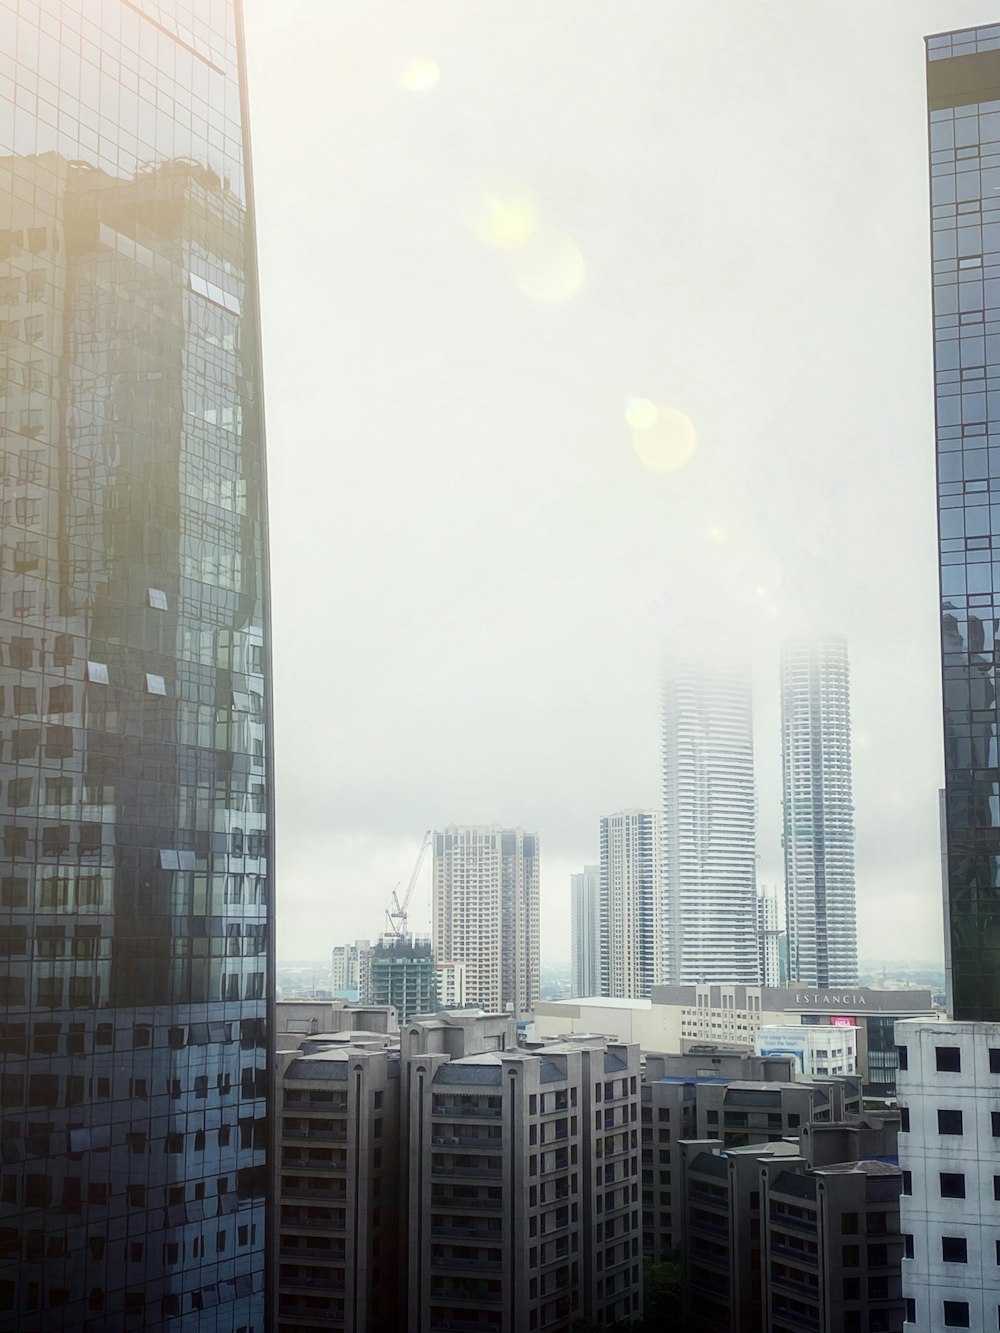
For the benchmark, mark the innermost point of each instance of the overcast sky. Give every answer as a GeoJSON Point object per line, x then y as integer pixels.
{"type": "Point", "coordinates": [590, 329]}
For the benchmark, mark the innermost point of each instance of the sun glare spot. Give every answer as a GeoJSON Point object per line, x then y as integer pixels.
{"type": "Point", "coordinates": [549, 267]}
{"type": "Point", "coordinates": [667, 442]}
{"type": "Point", "coordinates": [419, 76]}
{"type": "Point", "coordinates": [640, 413]}
{"type": "Point", "coordinates": [503, 215]}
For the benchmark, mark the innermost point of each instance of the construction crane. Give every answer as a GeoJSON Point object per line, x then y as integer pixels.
{"type": "Point", "coordinates": [395, 917]}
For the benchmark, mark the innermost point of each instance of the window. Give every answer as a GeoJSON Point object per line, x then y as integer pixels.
{"type": "Point", "coordinates": [949, 1122]}
{"type": "Point", "coordinates": [907, 1245]}
{"type": "Point", "coordinates": [61, 699]}
{"type": "Point", "coordinates": [956, 1314]}
{"type": "Point", "coordinates": [907, 1187]}
{"type": "Point", "coordinates": [155, 684]}
{"type": "Point", "coordinates": [995, 1059]}
{"type": "Point", "coordinates": [849, 1224]}
{"type": "Point", "coordinates": [952, 1185]}
{"type": "Point", "coordinates": [954, 1250]}
{"type": "Point", "coordinates": [995, 1123]}
{"type": "Point", "coordinates": [904, 1119]}
{"type": "Point", "coordinates": [911, 1310]}
{"type": "Point", "coordinates": [903, 1056]}
{"type": "Point", "coordinates": [948, 1060]}
{"type": "Point", "coordinates": [850, 1256]}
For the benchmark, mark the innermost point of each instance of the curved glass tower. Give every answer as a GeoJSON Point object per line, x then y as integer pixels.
{"type": "Point", "coordinates": [135, 917]}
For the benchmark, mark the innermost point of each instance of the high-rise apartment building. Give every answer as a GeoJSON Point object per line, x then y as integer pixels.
{"type": "Point", "coordinates": [585, 929]}
{"type": "Point", "coordinates": [629, 904]}
{"type": "Point", "coordinates": [485, 913]}
{"type": "Point", "coordinates": [349, 969]}
{"type": "Point", "coordinates": [709, 909]}
{"type": "Point", "coordinates": [135, 917]}
{"type": "Point", "coordinates": [818, 835]}
{"type": "Point", "coordinates": [521, 1184]}
{"type": "Point", "coordinates": [949, 1073]}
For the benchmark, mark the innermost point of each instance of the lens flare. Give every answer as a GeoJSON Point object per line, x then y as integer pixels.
{"type": "Point", "coordinates": [548, 267]}
{"type": "Point", "coordinates": [502, 214]}
{"type": "Point", "coordinates": [419, 76]}
{"type": "Point", "coordinates": [667, 443]}
{"type": "Point", "coordinates": [640, 413]}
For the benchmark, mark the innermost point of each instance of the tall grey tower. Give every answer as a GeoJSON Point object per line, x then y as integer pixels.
{"type": "Point", "coordinates": [818, 811]}
{"type": "Point", "coordinates": [135, 794]}
{"type": "Point", "coordinates": [708, 926]}
{"type": "Point", "coordinates": [585, 929]}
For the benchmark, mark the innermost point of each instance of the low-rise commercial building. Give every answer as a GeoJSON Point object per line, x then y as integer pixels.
{"type": "Point", "coordinates": [818, 1049]}
{"type": "Point", "coordinates": [677, 1018]}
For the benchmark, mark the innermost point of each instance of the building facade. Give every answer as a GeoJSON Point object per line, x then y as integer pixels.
{"type": "Point", "coordinates": [585, 928]}
{"type": "Point", "coordinates": [949, 1079]}
{"type": "Point", "coordinates": [485, 913]}
{"type": "Point", "coordinates": [335, 1180]}
{"type": "Point", "coordinates": [629, 904]}
{"type": "Point", "coordinates": [135, 797]}
{"type": "Point", "coordinates": [709, 907]}
{"type": "Point", "coordinates": [818, 834]}
{"type": "Point", "coordinates": [949, 1098]}
{"type": "Point", "coordinates": [963, 82]}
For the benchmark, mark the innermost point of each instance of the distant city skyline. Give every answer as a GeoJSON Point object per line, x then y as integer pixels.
{"type": "Point", "coordinates": [473, 515]}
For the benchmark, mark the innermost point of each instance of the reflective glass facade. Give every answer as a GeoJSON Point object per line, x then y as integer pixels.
{"type": "Point", "coordinates": [963, 85]}
{"type": "Point", "coordinates": [135, 918]}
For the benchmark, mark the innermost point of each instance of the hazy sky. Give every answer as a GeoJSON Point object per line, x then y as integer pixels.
{"type": "Point", "coordinates": [489, 229]}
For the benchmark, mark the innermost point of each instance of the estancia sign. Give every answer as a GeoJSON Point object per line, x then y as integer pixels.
{"type": "Point", "coordinates": [838, 999]}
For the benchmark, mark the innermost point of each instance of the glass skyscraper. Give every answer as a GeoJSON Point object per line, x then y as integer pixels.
{"type": "Point", "coordinates": [135, 907]}
{"type": "Point", "coordinates": [963, 87]}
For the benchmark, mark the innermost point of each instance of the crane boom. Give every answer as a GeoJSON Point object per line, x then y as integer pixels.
{"type": "Point", "coordinates": [396, 915]}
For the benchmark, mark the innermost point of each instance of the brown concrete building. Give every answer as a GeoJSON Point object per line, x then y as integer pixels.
{"type": "Point", "coordinates": [733, 1097]}
{"type": "Point", "coordinates": [523, 1185]}
{"type": "Point", "coordinates": [832, 1251]}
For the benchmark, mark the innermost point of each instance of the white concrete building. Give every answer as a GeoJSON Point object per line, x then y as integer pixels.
{"type": "Point", "coordinates": [818, 1050]}
{"type": "Point", "coordinates": [485, 913]}
{"type": "Point", "coordinates": [709, 925]}
{"type": "Point", "coordinates": [818, 811]}
{"type": "Point", "coordinates": [348, 965]}
{"type": "Point", "coordinates": [948, 1087]}
{"type": "Point", "coordinates": [585, 928]}
{"type": "Point", "coordinates": [451, 985]}
{"type": "Point", "coordinates": [629, 918]}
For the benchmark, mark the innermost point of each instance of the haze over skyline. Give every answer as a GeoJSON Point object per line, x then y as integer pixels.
{"type": "Point", "coordinates": [489, 236]}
